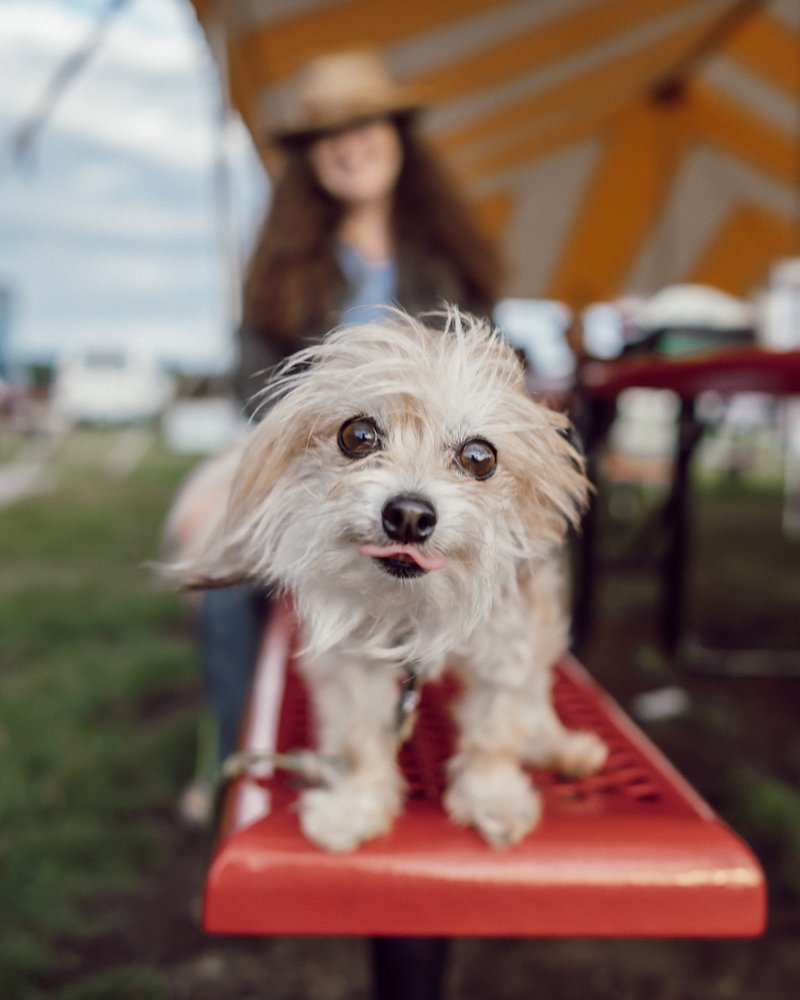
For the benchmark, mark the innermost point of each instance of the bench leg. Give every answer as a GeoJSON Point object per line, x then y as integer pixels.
{"type": "Point", "coordinates": [408, 968]}
{"type": "Point", "coordinates": [677, 520]}
{"type": "Point", "coordinates": [594, 419]}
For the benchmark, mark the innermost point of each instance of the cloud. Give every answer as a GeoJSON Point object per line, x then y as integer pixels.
{"type": "Point", "coordinates": [109, 229]}
{"type": "Point", "coordinates": [151, 80]}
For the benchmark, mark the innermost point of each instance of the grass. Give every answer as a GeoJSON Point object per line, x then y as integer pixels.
{"type": "Point", "coordinates": [743, 588]}
{"type": "Point", "coordinates": [91, 646]}
{"type": "Point", "coordinates": [744, 580]}
{"type": "Point", "coordinates": [770, 810]}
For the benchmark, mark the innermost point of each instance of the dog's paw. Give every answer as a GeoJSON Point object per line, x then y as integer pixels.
{"type": "Point", "coordinates": [340, 818]}
{"type": "Point", "coordinates": [578, 754]}
{"type": "Point", "coordinates": [497, 798]}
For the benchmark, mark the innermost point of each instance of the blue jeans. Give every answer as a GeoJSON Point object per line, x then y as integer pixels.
{"type": "Point", "coordinates": [231, 622]}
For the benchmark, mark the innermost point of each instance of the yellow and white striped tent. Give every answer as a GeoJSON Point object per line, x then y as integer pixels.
{"type": "Point", "coordinates": [614, 146]}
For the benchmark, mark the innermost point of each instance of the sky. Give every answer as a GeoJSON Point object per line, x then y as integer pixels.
{"type": "Point", "coordinates": [110, 234]}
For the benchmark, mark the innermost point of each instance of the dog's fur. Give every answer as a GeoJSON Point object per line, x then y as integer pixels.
{"type": "Point", "coordinates": [492, 601]}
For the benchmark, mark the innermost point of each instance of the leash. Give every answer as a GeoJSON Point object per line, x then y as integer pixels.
{"type": "Point", "coordinates": [314, 768]}
{"type": "Point", "coordinates": [311, 767]}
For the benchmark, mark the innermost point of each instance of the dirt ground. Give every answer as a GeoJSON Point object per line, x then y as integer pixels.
{"type": "Point", "coordinates": [752, 722]}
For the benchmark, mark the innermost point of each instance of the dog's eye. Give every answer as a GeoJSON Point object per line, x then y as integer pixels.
{"type": "Point", "coordinates": [358, 437]}
{"type": "Point", "coordinates": [478, 458]}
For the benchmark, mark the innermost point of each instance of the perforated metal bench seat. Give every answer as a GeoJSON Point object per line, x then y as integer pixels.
{"type": "Point", "coordinates": [632, 851]}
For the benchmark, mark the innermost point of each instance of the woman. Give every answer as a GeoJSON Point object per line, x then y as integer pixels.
{"type": "Point", "coordinates": [361, 217]}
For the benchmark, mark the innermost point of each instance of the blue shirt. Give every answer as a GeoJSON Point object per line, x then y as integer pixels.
{"type": "Point", "coordinates": [372, 285]}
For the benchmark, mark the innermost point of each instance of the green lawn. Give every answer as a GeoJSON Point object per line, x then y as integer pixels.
{"type": "Point", "coordinates": [743, 579]}
{"type": "Point", "coordinates": [92, 649]}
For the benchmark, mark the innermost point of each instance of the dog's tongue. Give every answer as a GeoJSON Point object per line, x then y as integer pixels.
{"type": "Point", "coordinates": [427, 561]}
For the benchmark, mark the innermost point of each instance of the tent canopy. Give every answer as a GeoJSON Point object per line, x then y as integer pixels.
{"type": "Point", "coordinates": [613, 146]}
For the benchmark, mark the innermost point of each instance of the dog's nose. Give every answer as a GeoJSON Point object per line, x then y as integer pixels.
{"type": "Point", "coordinates": [408, 519]}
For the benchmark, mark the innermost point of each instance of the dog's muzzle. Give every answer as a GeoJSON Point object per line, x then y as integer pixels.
{"type": "Point", "coordinates": [408, 521]}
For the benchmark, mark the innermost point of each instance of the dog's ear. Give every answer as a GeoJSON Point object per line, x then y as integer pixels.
{"type": "Point", "coordinates": [277, 440]}
{"type": "Point", "coordinates": [266, 457]}
{"type": "Point", "coordinates": [193, 520]}
{"type": "Point", "coordinates": [553, 490]}
{"type": "Point", "coordinates": [224, 508]}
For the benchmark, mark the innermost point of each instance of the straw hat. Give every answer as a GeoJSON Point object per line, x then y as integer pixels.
{"type": "Point", "coordinates": [332, 91]}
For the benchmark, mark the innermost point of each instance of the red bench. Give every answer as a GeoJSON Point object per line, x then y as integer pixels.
{"type": "Point", "coordinates": [632, 851]}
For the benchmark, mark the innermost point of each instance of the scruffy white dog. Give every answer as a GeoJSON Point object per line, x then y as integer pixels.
{"type": "Point", "coordinates": [414, 499]}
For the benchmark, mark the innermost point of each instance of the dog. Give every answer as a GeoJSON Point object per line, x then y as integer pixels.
{"type": "Point", "coordinates": [414, 499]}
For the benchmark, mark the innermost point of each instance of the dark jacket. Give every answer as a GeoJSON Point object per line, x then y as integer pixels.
{"type": "Point", "coordinates": [422, 290]}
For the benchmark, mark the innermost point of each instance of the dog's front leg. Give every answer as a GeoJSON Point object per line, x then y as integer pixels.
{"type": "Point", "coordinates": [503, 727]}
{"type": "Point", "coordinates": [488, 788]}
{"type": "Point", "coordinates": [506, 719]}
{"type": "Point", "coordinates": [354, 706]}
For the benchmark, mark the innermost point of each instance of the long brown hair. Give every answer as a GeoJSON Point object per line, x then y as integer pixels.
{"type": "Point", "coordinates": [294, 286]}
